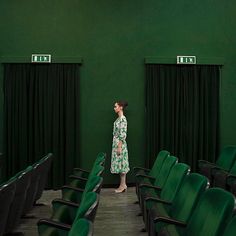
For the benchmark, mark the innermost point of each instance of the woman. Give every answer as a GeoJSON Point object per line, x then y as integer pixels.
{"type": "Point", "coordinates": [119, 156]}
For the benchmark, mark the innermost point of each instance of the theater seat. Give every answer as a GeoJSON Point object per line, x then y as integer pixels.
{"type": "Point", "coordinates": [169, 190]}
{"type": "Point", "coordinates": [22, 184]}
{"type": "Point", "coordinates": [86, 210]}
{"type": "Point", "coordinates": [7, 192]}
{"type": "Point", "coordinates": [225, 161]}
{"type": "Point", "coordinates": [142, 174]}
{"type": "Point", "coordinates": [213, 211]}
{"type": "Point", "coordinates": [44, 166]}
{"type": "Point", "coordinates": [100, 160]}
{"type": "Point", "coordinates": [182, 205]}
{"type": "Point", "coordinates": [81, 227]}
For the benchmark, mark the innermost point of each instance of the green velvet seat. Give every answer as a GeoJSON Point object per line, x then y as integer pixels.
{"type": "Point", "coordinates": [225, 161]}
{"type": "Point", "coordinates": [100, 160]}
{"type": "Point", "coordinates": [7, 192]}
{"type": "Point", "coordinates": [169, 190]}
{"type": "Point", "coordinates": [86, 210]}
{"type": "Point", "coordinates": [44, 164]}
{"type": "Point", "coordinates": [23, 179]}
{"type": "Point", "coordinates": [80, 182]}
{"type": "Point", "coordinates": [223, 179]}
{"type": "Point", "coordinates": [159, 182]}
{"type": "Point", "coordinates": [81, 227]}
{"type": "Point", "coordinates": [209, 218]}
{"type": "Point", "coordinates": [181, 206]}
{"type": "Point", "coordinates": [143, 174]}
{"type": "Point", "coordinates": [73, 201]}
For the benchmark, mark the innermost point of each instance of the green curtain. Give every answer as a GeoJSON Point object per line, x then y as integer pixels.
{"type": "Point", "coordinates": [182, 111]}
{"type": "Point", "coordinates": [41, 116]}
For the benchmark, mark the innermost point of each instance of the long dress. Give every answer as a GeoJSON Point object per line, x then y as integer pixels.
{"type": "Point", "coordinates": [119, 163]}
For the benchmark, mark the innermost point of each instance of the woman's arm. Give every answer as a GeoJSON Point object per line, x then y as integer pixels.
{"type": "Point", "coordinates": [122, 134]}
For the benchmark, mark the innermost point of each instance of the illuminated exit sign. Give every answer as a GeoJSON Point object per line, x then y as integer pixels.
{"type": "Point", "coordinates": [41, 58]}
{"type": "Point", "coordinates": [186, 60]}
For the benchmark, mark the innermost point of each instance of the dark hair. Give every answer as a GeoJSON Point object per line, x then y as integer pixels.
{"type": "Point", "coordinates": [123, 104]}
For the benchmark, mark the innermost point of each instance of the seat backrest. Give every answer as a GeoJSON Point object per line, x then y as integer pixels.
{"type": "Point", "coordinates": [100, 159]}
{"type": "Point", "coordinates": [213, 211]}
{"type": "Point", "coordinates": [94, 184]}
{"type": "Point", "coordinates": [168, 163]}
{"type": "Point", "coordinates": [227, 157]}
{"type": "Point", "coordinates": [192, 188]}
{"type": "Point", "coordinates": [88, 206]}
{"type": "Point", "coordinates": [230, 229]}
{"type": "Point", "coordinates": [16, 208]}
{"type": "Point", "coordinates": [174, 180]}
{"type": "Point", "coordinates": [158, 163]}
{"type": "Point", "coordinates": [96, 170]}
{"type": "Point", "coordinates": [7, 192]}
{"type": "Point", "coordinates": [81, 227]}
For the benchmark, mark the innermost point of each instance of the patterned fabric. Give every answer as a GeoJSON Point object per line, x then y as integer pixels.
{"type": "Point", "coordinates": [119, 163]}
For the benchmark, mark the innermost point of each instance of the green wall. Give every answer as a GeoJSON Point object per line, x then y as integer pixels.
{"type": "Point", "coordinates": [113, 38]}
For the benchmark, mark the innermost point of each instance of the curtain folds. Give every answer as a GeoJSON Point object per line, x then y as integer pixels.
{"type": "Point", "coordinates": [182, 111]}
{"type": "Point", "coordinates": [41, 116]}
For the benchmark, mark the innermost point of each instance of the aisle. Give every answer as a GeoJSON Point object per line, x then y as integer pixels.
{"type": "Point", "coordinates": [117, 214]}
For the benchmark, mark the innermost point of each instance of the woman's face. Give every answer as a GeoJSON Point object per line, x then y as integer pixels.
{"type": "Point", "coordinates": [117, 108]}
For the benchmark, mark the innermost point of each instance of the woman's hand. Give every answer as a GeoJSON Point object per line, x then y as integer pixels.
{"type": "Point", "coordinates": [119, 148]}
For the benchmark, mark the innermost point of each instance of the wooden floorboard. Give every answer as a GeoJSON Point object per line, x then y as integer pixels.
{"type": "Point", "coordinates": [116, 214]}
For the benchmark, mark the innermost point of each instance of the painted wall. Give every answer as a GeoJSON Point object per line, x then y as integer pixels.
{"type": "Point", "coordinates": [113, 38]}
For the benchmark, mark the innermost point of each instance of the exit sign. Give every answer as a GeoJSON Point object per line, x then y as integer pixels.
{"type": "Point", "coordinates": [41, 58]}
{"type": "Point", "coordinates": [186, 60]}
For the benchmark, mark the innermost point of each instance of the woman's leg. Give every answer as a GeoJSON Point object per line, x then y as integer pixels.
{"type": "Point", "coordinates": [123, 186]}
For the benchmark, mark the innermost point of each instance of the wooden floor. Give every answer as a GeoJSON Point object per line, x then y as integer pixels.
{"type": "Point", "coordinates": [116, 215]}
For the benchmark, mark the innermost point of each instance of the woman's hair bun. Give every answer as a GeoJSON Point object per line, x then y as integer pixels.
{"type": "Point", "coordinates": [123, 104]}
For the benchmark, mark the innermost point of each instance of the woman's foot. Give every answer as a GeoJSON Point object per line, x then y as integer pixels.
{"type": "Point", "coordinates": [121, 189]}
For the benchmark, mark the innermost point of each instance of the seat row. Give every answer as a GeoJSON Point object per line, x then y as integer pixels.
{"type": "Point", "coordinates": [74, 213]}
{"type": "Point", "coordinates": [19, 194]}
{"type": "Point", "coordinates": [222, 173]}
{"type": "Point", "coordinates": [174, 201]}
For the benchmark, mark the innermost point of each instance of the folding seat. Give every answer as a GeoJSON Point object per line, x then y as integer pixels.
{"type": "Point", "coordinates": [44, 166]}
{"type": "Point", "coordinates": [143, 174]}
{"type": "Point", "coordinates": [230, 229]}
{"type": "Point", "coordinates": [160, 180]}
{"type": "Point", "coordinates": [33, 187]}
{"type": "Point", "coordinates": [23, 179]}
{"type": "Point", "coordinates": [7, 192]}
{"type": "Point", "coordinates": [86, 210]}
{"type": "Point", "coordinates": [222, 178]}
{"type": "Point", "coordinates": [100, 160]}
{"type": "Point", "coordinates": [225, 161]}
{"type": "Point", "coordinates": [181, 206]}
{"type": "Point", "coordinates": [78, 184]}
{"type": "Point", "coordinates": [213, 210]}
{"type": "Point", "coordinates": [167, 193]}
{"type": "Point", "coordinates": [61, 207]}
{"type": "Point", "coordinates": [81, 227]}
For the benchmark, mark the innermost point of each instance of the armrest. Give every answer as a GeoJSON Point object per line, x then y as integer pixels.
{"type": "Point", "coordinates": [72, 188]}
{"type": "Point", "coordinates": [155, 199]}
{"type": "Point", "coordinates": [169, 221]}
{"type": "Point", "coordinates": [141, 168]}
{"type": "Point", "coordinates": [145, 176]}
{"type": "Point", "coordinates": [82, 170]}
{"type": "Point", "coordinates": [55, 224]}
{"type": "Point", "coordinates": [231, 176]}
{"type": "Point", "coordinates": [149, 186]}
{"type": "Point", "coordinates": [64, 202]}
{"type": "Point", "coordinates": [78, 177]}
{"type": "Point", "coordinates": [206, 162]}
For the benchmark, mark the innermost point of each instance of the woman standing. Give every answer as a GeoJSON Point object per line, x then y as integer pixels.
{"type": "Point", "coordinates": [119, 157]}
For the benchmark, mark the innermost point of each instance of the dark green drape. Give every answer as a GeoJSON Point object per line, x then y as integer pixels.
{"type": "Point", "coordinates": [182, 111]}
{"type": "Point", "coordinates": [41, 116]}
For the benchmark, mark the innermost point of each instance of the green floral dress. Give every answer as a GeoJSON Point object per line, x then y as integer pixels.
{"type": "Point", "coordinates": [119, 163]}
